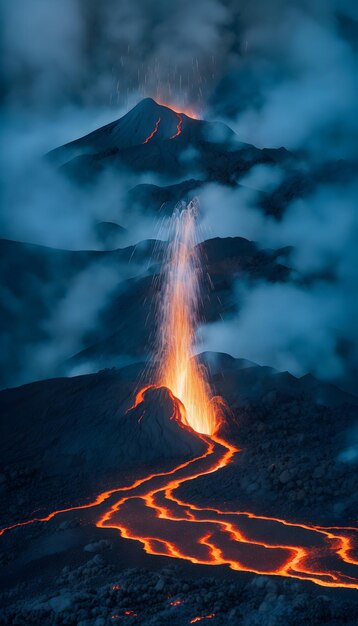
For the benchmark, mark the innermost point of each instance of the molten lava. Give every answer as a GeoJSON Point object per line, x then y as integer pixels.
{"type": "Point", "coordinates": [179, 126]}
{"type": "Point", "coordinates": [178, 314]}
{"type": "Point", "coordinates": [153, 131]}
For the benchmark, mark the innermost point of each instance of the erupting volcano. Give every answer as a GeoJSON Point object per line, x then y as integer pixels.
{"type": "Point", "coordinates": [178, 314]}
{"type": "Point", "coordinates": [178, 397]}
{"type": "Point", "coordinates": [154, 510]}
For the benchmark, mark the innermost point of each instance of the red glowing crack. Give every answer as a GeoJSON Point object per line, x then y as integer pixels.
{"type": "Point", "coordinates": [179, 126]}
{"type": "Point", "coordinates": [153, 131]}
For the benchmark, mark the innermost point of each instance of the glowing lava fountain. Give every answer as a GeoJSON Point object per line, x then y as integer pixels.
{"type": "Point", "coordinates": [178, 314]}
{"type": "Point", "coordinates": [154, 509]}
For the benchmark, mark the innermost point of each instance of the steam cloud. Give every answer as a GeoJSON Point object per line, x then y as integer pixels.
{"type": "Point", "coordinates": [307, 325]}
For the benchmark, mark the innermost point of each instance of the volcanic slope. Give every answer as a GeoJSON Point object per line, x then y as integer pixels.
{"type": "Point", "coordinates": [187, 153]}
{"type": "Point", "coordinates": [49, 279]}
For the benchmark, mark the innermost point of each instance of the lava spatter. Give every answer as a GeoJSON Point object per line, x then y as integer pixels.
{"type": "Point", "coordinates": [178, 314]}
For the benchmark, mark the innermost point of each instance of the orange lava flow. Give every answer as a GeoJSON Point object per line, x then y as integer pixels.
{"type": "Point", "coordinates": [156, 512]}
{"type": "Point", "coordinates": [179, 126]}
{"type": "Point", "coordinates": [153, 131]}
{"type": "Point", "coordinates": [152, 512]}
{"type": "Point", "coordinates": [178, 314]}
{"type": "Point", "coordinates": [168, 525]}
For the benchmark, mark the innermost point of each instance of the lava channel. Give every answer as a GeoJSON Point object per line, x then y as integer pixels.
{"type": "Point", "coordinates": [153, 131]}
{"type": "Point", "coordinates": [179, 126]}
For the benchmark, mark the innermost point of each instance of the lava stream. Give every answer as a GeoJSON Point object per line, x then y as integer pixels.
{"type": "Point", "coordinates": [179, 126]}
{"type": "Point", "coordinates": [153, 131]}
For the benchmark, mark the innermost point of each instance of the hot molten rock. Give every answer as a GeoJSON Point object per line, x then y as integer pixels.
{"type": "Point", "coordinates": [178, 320]}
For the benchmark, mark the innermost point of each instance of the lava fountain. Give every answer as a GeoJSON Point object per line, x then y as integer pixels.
{"type": "Point", "coordinates": [178, 317]}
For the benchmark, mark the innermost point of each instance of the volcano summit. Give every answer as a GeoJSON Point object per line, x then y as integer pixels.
{"type": "Point", "coordinates": [154, 137]}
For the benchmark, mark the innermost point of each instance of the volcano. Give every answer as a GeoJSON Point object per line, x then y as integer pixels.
{"type": "Point", "coordinates": [97, 422]}
{"type": "Point", "coordinates": [178, 414]}
{"type": "Point", "coordinates": [184, 464]}
{"type": "Point", "coordinates": [153, 137]}
{"type": "Point", "coordinates": [146, 122]}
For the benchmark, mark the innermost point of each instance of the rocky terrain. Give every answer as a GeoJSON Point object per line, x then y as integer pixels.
{"type": "Point", "coordinates": [96, 593]}
{"type": "Point", "coordinates": [285, 468]}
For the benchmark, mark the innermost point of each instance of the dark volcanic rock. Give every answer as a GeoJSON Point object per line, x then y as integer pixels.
{"type": "Point", "coordinates": [151, 430]}
{"type": "Point", "coordinates": [84, 422]}
{"type": "Point", "coordinates": [75, 437]}
{"type": "Point", "coordinates": [97, 592]}
{"type": "Point", "coordinates": [292, 432]}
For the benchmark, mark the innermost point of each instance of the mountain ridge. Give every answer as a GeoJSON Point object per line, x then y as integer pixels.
{"type": "Point", "coordinates": [153, 137]}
